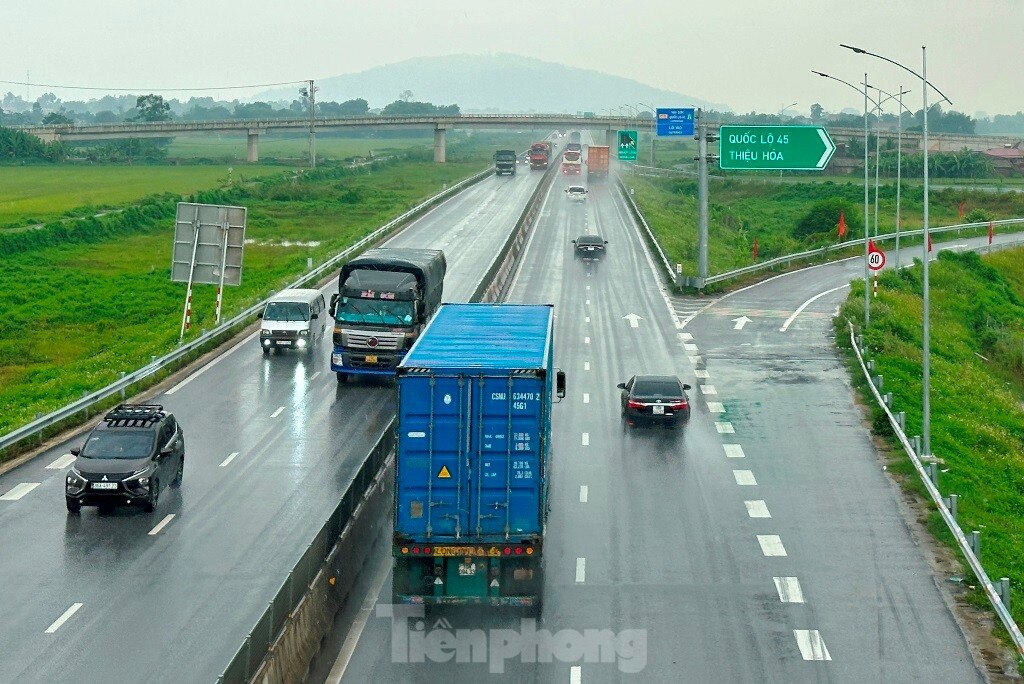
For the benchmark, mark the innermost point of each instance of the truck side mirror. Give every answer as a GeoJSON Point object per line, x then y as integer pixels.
{"type": "Point", "coordinates": [560, 384]}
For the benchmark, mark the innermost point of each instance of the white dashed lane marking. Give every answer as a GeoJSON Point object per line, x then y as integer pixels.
{"type": "Point", "coordinates": [229, 459]}
{"type": "Point", "coordinates": [586, 365]}
{"type": "Point", "coordinates": [161, 525]}
{"type": "Point", "coordinates": [744, 478]}
{"type": "Point", "coordinates": [771, 545]}
{"type": "Point", "coordinates": [575, 675]}
{"type": "Point", "coordinates": [702, 374]}
{"type": "Point", "coordinates": [586, 340]}
{"type": "Point", "coordinates": [733, 451]}
{"type": "Point", "coordinates": [62, 462]}
{"type": "Point", "coordinates": [63, 618]}
{"type": "Point", "coordinates": [586, 398]}
{"type": "Point", "coordinates": [586, 439]}
{"type": "Point", "coordinates": [708, 389]}
{"type": "Point", "coordinates": [278, 412]}
{"type": "Point", "coordinates": [811, 645]}
{"type": "Point", "coordinates": [789, 589]}
{"type": "Point", "coordinates": [716, 407]}
{"type": "Point", "coordinates": [584, 493]}
{"type": "Point", "coordinates": [725, 428]}
{"type": "Point", "coordinates": [757, 509]}
{"type": "Point", "coordinates": [581, 570]}
{"type": "Point", "coordinates": [689, 346]}
{"type": "Point", "coordinates": [19, 490]}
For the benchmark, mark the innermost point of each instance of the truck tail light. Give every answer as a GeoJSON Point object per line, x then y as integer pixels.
{"type": "Point", "coordinates": [519, 550]}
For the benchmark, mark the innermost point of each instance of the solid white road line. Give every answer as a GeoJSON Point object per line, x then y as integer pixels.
{"type": "Point", "coordinates": [584, 493]}
{"type": "Point", "coordinates": [229, 459]}
{"type": "Point", "coordinates": [19, 490]}
{"type": "Point", "coordinates": [586, 439]}
{"type": "Point", "coordinates": [789, 589]}
{"type": "Point", "coordinates": [716, 407]}
{"type": "Point", "coordinates": [785, 326]}
{"type": "Point", "coordinates": [810, 644]}
{"type": "Point", "coordinates": [708, 389]}
{"type": "Point", "coordinates": [586, 398]}
{"type": "Point", "coordinates": [358, 625]}
{"type": "Point", "coordinates": [210, 365]}
{"type": "Point", "coordinates": [690, 346]}
{"type": "Point", "coordinates": [63, 618]}
{"type": "Point", "coordinates": [161, 525]}
{"type": "Point", "coordinates": [771, 545]}
{"type": "Point", "coordinates": [744, 478]}
{"type": "Point", "coordinates": [62, 462]}
{"type": "Point", "coordinates": [575, 675]}
{"type": "Point", "coordinates": [733, 451]}
{"type": "Point", "coordinates": [586, 365]}
{"type": "Point", "coordinates": [702, 374]}
{"type": "Point", "coordinates": [725, 428]}
{"type": "Point", "coordinates": [276, 413]}
{"type": "Point", "coordinates": [757, 509]}
{"type": "Point", "coordinates": [581, 570]}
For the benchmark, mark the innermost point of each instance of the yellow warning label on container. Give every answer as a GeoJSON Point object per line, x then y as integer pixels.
{"type": "Point", "coordinates": [444, 472]}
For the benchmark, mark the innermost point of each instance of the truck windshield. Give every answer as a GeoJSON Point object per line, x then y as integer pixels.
{"type": "Point", "coordinates": [375, 311]}
{"type": "Point", "coordinates": [286, 311]}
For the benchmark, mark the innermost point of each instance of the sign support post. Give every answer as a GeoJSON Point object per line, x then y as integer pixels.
{"type": "Point", "coordinates": [223, 267]}
{"type": "Point", "coordinates": [187, 315]}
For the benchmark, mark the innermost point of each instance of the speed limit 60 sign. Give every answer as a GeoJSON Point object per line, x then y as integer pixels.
{"type": "Point", "coordinates": [876, 260]}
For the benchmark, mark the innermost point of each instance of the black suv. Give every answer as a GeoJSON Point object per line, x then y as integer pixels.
{"type": "Point", "coordinates": [127, 459]}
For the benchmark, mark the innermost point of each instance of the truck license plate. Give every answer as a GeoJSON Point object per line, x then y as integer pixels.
{"type": "Point", "coordinates": [371, 359]}
{"type": "Point", "coordinates": [104, 485]}
{"type": "Point", "coordinates": [659, 410]}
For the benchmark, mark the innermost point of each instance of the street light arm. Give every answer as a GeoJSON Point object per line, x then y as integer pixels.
{"type": "Point", "coordinates": [859, 90]}
{"type": "Point", "coordinates": [862, 51]}
{"type": "Point", "coordinates": [890, 96]}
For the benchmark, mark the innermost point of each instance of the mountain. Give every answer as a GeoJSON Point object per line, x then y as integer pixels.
{"type": "Point", "coordinates": [500, 82]}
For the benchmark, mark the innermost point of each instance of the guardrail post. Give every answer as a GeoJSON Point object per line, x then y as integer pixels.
{"type": "Point", "coordinates": [309, 263]}
{"type": "Point", "coordinates": [901, 420]}
{"type": "Point", "coordinates": [152, 359]}
{"type": "Point", "coordinates": [887, 398]}
{"type": "Point", "coordinates": [933, 473]}
{"type": "Point", "coordinates": [248, 655]}
{"type": "Point", "coordinates": [917, 445]}
{"type": "Point", "coordinates": [952, 505]}
{"type": "Point", "coordinates": [871, 364]}
{"type": "Point", "coordinates": [976, 544]}
{"type": "Point", "coordinates": [122, 389]}
{"type": "Point", "coordinates": [1004, 592]}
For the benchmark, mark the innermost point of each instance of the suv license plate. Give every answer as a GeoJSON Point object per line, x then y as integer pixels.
{"type": "Point", "coordinates": [104, 485]}
{"type": "Point", "coordinates": [371, 359]}
{"type": "Point", "coordinates": [658, 410]}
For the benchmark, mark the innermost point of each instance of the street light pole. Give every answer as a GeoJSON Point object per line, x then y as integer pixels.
{"type": "Point", "coordinates": [654, 127]}
{"type": "Point", "coordinates": [899, 161]}
{"type": "Point", "coordinates": [926, 298]}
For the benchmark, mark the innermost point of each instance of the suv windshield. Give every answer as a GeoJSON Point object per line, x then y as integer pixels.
{"type": "Point", "coordinates": [286, 311]}
{"type": "Point", "coordinates": [126, 445]}
{"type": "Point", "coordinates": [657, 388]}
{"type": "Point", "coordinates": [375, 311]}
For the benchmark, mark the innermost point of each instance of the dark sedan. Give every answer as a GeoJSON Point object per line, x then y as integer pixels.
{"type": "Point", "coordinates": [589, 247]}
{"type": "Point", "coordinates": [655, 399]}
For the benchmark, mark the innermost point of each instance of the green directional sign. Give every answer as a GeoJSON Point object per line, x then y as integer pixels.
{"type": "Point", "coordinates": [627, 145]}
{"type": "Point", "coordinates": [798, 148]}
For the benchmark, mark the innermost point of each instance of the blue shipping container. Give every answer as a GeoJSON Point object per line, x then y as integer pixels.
{"type": "Point", "coordinates": [474, 421]}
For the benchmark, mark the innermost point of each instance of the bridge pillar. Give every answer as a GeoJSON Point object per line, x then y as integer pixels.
{"type": "Point", "coordinates": [610, 141]}
{"type": "Point", "coordinates": [439, 145]}
{"type": "Point", "coordinates": [47, 136]}
{"type": "Point", "coordinates": [252, 152]}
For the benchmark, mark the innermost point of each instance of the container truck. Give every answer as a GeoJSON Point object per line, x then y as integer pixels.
{"type": "Point", "coordinates": [505, 162]}
{"type": "Point", "coordinates": [572, 163]}
{"type": "Point", "coordinates": [597, 161]}
{"type": "Point", "coordinates": [473, 463]}
{"type": "Point", "coordinates": [385, 298]}
{"type": "Point", "coordinates": [540, 153]}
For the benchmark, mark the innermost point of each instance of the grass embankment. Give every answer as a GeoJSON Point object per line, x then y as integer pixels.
{"type": "Point", "coordinates": [37, 194]}
{"type": "Point", "coordinates": [79, 307]}
{"type": "Point", "coordinates": [742, 210]}
{"type": "Point", "coordinates": [233, 148]}
{"type": "Point", "coordinates": [977, 398]}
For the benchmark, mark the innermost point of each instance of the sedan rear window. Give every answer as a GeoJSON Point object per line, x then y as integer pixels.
{"type": "Point", "coordinates": [589, 240]}
{"type": "Point", "coordinates": [127, 445]}
{"type": "Point", "coordinates": [657, 388]}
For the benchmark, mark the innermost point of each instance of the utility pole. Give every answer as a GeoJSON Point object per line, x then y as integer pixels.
{"type": "Point", "coordinates": [703, 158]}
{"type": "Point", "coordinates": [310, 94]}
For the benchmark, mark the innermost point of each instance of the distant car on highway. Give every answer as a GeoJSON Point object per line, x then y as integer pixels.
{"type": "Point", "coordinates": [589, 247]}
{"type": "Point", "coordinates": [577, 193]}
{"type": "Point", "coordinates": [137, 450]}
{"type": "Point", "coordinates": [654, 399]}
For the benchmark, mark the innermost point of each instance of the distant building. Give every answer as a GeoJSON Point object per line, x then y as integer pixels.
{"type": "Point", "coordinates": [1007, 160]}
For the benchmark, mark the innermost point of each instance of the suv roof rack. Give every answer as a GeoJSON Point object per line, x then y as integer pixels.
{"type": "Point", "coordinates": [135, 413]}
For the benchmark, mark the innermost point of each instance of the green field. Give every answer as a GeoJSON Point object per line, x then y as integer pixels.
{"type": "Point", "coordinates": [36, 194]}
{"type": "Point", "coordinates": [977, 380]}
{"type": "Point", "coordinates": [233, 147]}
{"type": "Point", "coordinates": [742, 209]}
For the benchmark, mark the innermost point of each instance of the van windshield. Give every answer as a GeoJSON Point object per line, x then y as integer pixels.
{"type": "Point", "coordinates": [375, 311]}
{"type": "Point", "coordinates": [286, 311]}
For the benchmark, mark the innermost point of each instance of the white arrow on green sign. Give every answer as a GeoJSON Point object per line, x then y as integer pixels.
{"type": "Point", "coordinates": [797, 148]}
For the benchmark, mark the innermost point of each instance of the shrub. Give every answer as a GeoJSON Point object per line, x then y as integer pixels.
{"type": "Point", "coordinates": [977, 216]}
{"type": "Point", "coordinates": [823, 217]}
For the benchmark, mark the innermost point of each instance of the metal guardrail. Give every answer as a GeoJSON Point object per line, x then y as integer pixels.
{"type": "Point", "coordinates": [89, 400]}
{"type": "Point", "coordinates": [639, 215]}
{"type": "Point", "coordinates": [994, 597]}
{"type": "Point", "coordinates": [247, 660]}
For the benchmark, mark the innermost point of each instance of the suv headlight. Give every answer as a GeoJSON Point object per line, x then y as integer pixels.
{"type": "Point", "coordinates": [138, 483]}
{"type": "Point", "coordinates": [74, 483]}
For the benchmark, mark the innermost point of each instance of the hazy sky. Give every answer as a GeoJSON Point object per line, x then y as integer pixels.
{"type": "Point", "coordinates": [749, 54]}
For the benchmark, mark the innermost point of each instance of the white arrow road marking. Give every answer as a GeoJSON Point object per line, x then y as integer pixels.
{"type": "Point", "coordinates": [829, 149]}
{"type": "Point", "coordinates": [19, 490]}
{"type": "Point", "coordinates": [785, 326]}
{"type": "Point", "coordinates": [62, 462]}
{"type": "Point", "coordinates": [789, 589]}
{"type": "Point", "coordinates": [744, 478]}
{"type": "Point", "coordinates": [740, 322]}
{"type": "Point", "coordinates": [634, 320]}
{"type": "Point", "coordinates": [757, 509]}
{"type": "Point", "coordinates": [63, 618]}
{"type": "Point", "coordinates": [771, 545]}
{"type": "Point", "coordinates": [810, 644]}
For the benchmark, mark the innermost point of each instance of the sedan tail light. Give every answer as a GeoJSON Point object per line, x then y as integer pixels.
{"type": "Point", "coordinates": [636, 404]}
{"type": "Point", "coordinates": [678, 406]}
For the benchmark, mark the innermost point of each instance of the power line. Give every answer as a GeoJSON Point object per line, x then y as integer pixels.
{"type": "Point", "coordinates": [151, 90]}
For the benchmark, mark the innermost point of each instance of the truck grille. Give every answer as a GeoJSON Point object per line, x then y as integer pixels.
{"type": "Point", "coordinates": [381, 341]}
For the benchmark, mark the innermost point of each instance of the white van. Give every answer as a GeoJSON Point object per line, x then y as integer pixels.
{"type": "Point", "coordinates": [293, 319]}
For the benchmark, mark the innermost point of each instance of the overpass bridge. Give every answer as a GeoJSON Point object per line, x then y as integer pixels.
{"type": "Point", "coordinates": [253, 128]}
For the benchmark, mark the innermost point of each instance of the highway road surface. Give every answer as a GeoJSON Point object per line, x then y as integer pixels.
{"type": "Point", "coordinates": [271, 443]}
{"type": "Point", "coordinates": [762, 543]}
